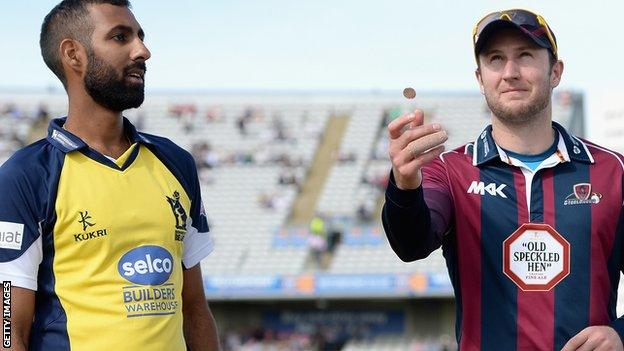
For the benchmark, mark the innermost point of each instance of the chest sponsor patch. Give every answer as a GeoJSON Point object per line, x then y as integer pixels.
{"type": "Point", "coordinates": [11, 235]}
{"type": "Point", "coordinates": [149, 269]}
{"type": "Point", "coordinates": [536, 257]}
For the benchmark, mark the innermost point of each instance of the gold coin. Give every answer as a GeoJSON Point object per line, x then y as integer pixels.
{"type": "Point", "coordinates": [409, 93]}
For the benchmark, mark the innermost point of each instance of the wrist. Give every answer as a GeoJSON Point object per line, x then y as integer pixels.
{"type": "Point", "coordinates": [408, 183]}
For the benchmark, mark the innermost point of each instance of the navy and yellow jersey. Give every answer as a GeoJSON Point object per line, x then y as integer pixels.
{"type": "Point", "coordinates": [103, 242]}
{"type": "Point", "coordinates": [534, 256]}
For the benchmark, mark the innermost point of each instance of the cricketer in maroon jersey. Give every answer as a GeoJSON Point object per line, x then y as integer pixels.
{"type": "Point", "coordinates": [529, 217]}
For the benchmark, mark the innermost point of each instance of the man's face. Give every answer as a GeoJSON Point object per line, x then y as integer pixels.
{"type": "Point", "coordinates": [515, 76]}
{"type": "Point", "coordinates": [115, 72]}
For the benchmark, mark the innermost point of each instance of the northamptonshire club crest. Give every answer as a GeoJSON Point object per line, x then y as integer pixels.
{"type": "Point", "coordinates": [582, 194]}
{"type": "Point", "coordinates": [179, 214]}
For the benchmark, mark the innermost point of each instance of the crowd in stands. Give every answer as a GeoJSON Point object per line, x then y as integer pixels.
{"type": "Point", "coordinates": [292, 167]}
{"type": "Point", "coordinates": [208, 157]}
{"type": "Point", "coordinates": [375, 179]}
{"type": "Point", "coordinates": [17, 124]}
{"type": "Point", "coordinates": [273, 200]}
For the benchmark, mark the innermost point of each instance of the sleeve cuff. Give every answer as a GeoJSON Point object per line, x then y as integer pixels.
{"type": "Point", "coordinates": [618, 325]}
{"type": "Point", "coordinates": [403, 198]}
{"type": "Point", "coordinates": [19, 281]}
{"type": "Point", "coordinates": [191, 259]}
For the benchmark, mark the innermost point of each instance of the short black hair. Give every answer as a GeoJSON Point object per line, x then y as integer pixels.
{"type": "Point", "coordinates": [68, 19]}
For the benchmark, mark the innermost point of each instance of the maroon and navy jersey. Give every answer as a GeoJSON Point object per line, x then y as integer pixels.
{"type": "Point", "coordinates": [534, 256]}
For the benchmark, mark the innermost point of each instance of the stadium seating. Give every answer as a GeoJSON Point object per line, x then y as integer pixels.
{"type": "Point", "coordinates": [243, 226]}
{"type": "Point", "coordinates": [255, 139]}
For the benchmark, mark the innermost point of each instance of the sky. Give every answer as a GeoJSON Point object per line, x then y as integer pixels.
{"type": "Point", "coordinates": [324, 45]}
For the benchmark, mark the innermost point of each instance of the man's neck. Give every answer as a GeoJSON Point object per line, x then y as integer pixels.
{"type": "Point", "coordinates": [528, 139]}
{"type": "Point", "coordinates": [100, 128]}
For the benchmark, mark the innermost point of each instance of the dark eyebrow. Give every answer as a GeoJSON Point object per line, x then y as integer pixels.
{"type": "Point", "coordinates": [127, 29]}
{"type": "Point", "coordinates": [491, 51]}
{"type": "Point", "coordinates": [530, 48]}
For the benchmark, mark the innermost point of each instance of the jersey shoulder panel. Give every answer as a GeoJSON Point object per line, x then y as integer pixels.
{"type": "Point", "coordinates": [171, 154]}
{"type": "Point", "coordinates": [27, 182]}
{"type": "Point", "coordinates": [609, 155]}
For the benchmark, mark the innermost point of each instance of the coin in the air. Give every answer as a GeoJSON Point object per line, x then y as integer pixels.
{"type": "Point", "coordinates": [409, 93]}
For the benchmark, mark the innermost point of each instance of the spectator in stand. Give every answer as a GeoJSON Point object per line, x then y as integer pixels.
{"type": "Point", "coordinates": [288, 176]}
{"type": "Point", "coordinates": [213, 115]}
{"type": "Point", "coordinates": [317, 240]}
{"type": "Point", "coordinates": [346, 157]}
{"type": "Point", "coordinates": [334, 234]}
{"type": "Point", "coordinates": [42, 114]}
{"type": "Point", "coordinates": [243, 120]}
{"type": "Point", "coordinates": [205, 156]}
{"type": "Point", "coordinates": [365, 211]}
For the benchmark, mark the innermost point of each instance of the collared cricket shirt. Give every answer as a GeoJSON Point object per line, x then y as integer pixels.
{"type": "Point", "coordinates": [534, 256]}
{"type": "Point", "coordinates": [103, 242]}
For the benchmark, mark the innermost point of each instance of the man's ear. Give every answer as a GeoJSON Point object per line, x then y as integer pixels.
{"type": "Point", "coordinates": [479, 80]}
{"type": "Point", "coordinates": [73, 56]}
{"type": "Point", "coordinates": [555, 74]}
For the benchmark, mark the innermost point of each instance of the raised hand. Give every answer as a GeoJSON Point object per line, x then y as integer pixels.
{"type": "Point", "coordinates": [413, 145]}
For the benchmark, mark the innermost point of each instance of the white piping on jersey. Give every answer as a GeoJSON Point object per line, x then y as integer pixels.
{"type": "Point", "coordinates": [610, 152]}
{"type": "Point", "coordinates": [446, 152]}
{"type": "Point", "coordinates": [591, 158]}
{"type": "Point", "coordinates": [474, 147]}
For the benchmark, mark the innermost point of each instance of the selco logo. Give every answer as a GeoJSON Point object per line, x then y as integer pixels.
{"type": "Point", "coordinates": [146, 265]}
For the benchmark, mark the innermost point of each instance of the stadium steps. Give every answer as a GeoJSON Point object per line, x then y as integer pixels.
{"type": "Point", "coordinates": [305, 203]}
{"type": "Point", "coordinates": [339, 196]}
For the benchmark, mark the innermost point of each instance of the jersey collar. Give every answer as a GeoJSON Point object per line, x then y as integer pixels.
{"type": "Point", "coordinates": [571, 148]}
{"type": "Point", "coordinates": [68, 142]}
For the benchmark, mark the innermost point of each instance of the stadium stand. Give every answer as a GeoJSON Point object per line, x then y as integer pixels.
{"type": "Point", "coordinates": [254, 154]}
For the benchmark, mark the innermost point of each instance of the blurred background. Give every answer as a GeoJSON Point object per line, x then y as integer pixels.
{"type": "Point", "coordinates": [284, 106]}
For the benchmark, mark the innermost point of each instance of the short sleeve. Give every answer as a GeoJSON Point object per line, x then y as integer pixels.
{"type": "Point", "coordinates": [20, 235]}
{"type": "Point", "coordinates": [197, 242]}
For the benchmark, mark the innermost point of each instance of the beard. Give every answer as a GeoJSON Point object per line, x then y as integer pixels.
{"type": "Point", "coordinates": [106, 88]}
{"type": "Point", "coordinates": [522, 114]}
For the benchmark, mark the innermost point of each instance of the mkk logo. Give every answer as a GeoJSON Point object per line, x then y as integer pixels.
{"type": "Point", "coordinates": [180, 215]}
{"type": "Point", "coordinates": [480, 188]}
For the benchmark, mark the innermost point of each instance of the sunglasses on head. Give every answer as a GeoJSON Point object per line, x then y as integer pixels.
{"type": "Point", "coordinates": [528, 20]}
